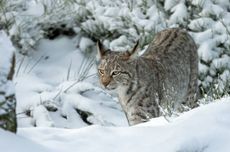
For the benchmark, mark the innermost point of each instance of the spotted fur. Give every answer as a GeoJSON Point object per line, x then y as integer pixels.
{"type": "Point", "coordinates": [166, 74]}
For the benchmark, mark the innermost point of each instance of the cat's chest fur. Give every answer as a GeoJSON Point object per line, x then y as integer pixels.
{"type": "Point", "coordinates": [122, 95]}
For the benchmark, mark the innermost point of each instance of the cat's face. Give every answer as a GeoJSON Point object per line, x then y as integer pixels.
{"type": "Point", "coordinates": [113, 68]}
{"type": "Point", "coordinates": [112, 71]}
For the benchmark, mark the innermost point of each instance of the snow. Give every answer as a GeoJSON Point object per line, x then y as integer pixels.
{"type": "Point", "coordinates": [60, 104]}
{"type": "Point", "coordinates": [6, 52]}
{"type": "Point", "coordinates": [203, 129]}
{"type": "Point", "coordinates": [85, 43]}
{"type": "Point", "coordinates": [169, 4]}
{"type": "Point", "coordinates": [10, 142]}
{"type": "Point", "coordinates": [203, 68]}
{"type": "Point", "coordinates": [35, 9]}
{"type": "Point", "coordinates": [199, 23]}
{"type": "Point", "coordinates": [55, 77]}
{"type": "Point", "coordinates": [179, 14]}
{"type": "Point", "coordinates": [210, 8]}
{"type": "Point", "coordinates": [119, 44]}
{"type": "Point", "coordinates": [41, 117]}
{"type": "Point", "coordinates": [205, 49]}
{"type": "Point", "coordinates": [221, 62]}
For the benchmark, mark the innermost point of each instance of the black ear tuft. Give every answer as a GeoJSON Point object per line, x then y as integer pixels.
{"type": "Point", "coordinates": [134, 50]}
{"type": "Point", "coordinates": [100, 49]}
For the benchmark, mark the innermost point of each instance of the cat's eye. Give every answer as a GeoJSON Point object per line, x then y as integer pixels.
{"type": "Point", "coordinates": [115, 72]}
{"type": "Point", "coordinates": [101, 71]}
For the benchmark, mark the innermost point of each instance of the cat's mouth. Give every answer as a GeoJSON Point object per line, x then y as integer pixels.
{"type": "Point", "coordinates": [110, 87]}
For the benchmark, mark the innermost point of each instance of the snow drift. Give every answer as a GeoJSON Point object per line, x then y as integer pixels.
{"type": "Point", "coordinates": [204, 129]}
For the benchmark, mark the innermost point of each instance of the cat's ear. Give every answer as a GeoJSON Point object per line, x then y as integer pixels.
{"type": "Point", "coordinates": [100, 49]}
{"type": "Point", "coordinates": [133, 51]}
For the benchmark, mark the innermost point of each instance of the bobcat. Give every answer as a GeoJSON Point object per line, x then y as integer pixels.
{"type": "Point", "coordinates": [166, 74]}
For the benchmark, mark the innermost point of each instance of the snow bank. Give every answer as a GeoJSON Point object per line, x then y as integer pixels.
{"type": "Point", "coordinates": [203, 129]}
{"type": "Point", "coordinates": [10, 142]}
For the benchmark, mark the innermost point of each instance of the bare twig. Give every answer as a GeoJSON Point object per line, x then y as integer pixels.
{"type": "Point", "coordinates": [35, 64]}
{"type": "Point", "coordinates": [69, 69]}
{"type": "Point", "coordinates": [20, 65]}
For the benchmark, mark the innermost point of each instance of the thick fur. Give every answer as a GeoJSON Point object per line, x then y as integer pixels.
{"type": "Point", "coordinates": [165, 75]}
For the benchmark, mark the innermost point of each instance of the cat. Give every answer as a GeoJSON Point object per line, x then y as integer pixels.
{"type": "Point", "coordinates": [166, 74]}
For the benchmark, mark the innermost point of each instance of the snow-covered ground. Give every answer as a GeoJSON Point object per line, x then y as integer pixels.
{"type": "Point", "coordinates": [52, 91]}
{"type": "Point", "coordinates": [205, 129]}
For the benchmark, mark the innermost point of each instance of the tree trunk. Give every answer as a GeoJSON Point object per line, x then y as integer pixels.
{"type": "Point", "coordinates": [7, 93]}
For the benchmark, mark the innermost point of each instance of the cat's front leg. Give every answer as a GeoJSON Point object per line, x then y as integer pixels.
{"type": "Point", "coordinates": [139, 114]}
{"type": "Point", "coordinates": [136, 116]}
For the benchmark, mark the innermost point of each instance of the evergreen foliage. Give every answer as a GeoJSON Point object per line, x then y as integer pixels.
{"type": "Point", "coordinates": [119, 24]}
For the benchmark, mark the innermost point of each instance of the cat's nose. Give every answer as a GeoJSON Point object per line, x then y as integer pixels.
{"type": "Point", "coordinates": [105, 81]}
